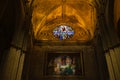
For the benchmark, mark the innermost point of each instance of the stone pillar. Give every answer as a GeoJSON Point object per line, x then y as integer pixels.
{"type": "Point", "coordinates": [109, 39]}
{"type": "Point", "coordinates": [113, 62]}
{"type": "Point", "coordinates": [13, 65]}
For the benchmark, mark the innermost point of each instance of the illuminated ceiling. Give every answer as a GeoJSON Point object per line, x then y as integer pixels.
{"type": "Point", "coordinates": [48, 14]}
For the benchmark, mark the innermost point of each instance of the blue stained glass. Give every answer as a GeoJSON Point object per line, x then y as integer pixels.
{"type": "Point", "coordinates": [63, 32]}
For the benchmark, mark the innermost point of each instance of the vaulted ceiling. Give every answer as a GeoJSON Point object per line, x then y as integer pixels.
{"type": "Point", "coordinates": [78, 14]}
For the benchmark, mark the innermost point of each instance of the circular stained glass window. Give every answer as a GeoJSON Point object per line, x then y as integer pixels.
{"type": "Point", "coordinates": [63, 32]}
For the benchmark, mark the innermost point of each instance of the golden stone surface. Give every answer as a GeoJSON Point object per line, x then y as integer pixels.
{"type": "Point", "coordinates": [78, 14]}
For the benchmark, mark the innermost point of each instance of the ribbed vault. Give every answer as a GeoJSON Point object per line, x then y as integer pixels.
{"type": "Point", "coordinates": [48, 14]}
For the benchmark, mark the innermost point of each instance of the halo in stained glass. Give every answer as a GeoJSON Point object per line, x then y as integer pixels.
{"type": "Point", "coordinates": [63, 32]}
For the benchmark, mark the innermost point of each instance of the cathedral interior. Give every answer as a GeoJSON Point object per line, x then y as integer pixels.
{"type": "Point", "coordinates": [59, 40]}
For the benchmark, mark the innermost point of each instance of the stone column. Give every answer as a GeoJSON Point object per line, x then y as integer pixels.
{"type": "Point", "coordinates": [113, 62]}
{"type": "Point", "coordinates": [13, 65]}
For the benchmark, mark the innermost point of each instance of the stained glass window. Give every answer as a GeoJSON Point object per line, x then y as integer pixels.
{"type": "Point", "coordinates": [64, 64]}
{"type": "Point", "coordinates": [63, 32]}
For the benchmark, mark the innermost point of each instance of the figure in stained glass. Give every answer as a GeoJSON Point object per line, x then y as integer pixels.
{"type": "Point", "coordinates": [63, 32]}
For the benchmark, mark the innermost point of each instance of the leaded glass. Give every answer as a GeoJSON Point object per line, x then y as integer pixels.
{"type": "Point", "coordinates": [63, 32]}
